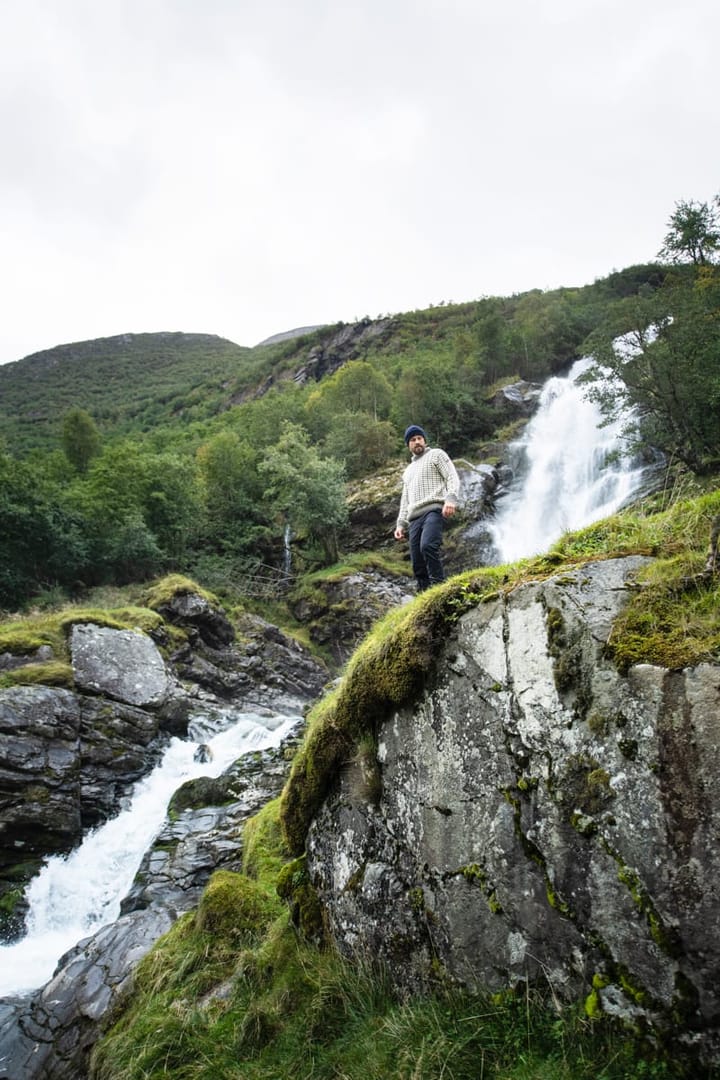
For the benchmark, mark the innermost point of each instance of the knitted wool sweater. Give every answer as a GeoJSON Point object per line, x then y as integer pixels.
{"type": "Point", "coordinates": [429, 481]}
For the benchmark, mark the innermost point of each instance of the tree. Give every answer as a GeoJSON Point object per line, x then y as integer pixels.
{"type": "Point", "coordinates": [233, 491]}
{"type": "Point", "coordinates": [665, 359]}
{"type": "Point", "coordinates": [80, 438]}
{"type": "Point", "coordinates": [694, 234]}
{"type": "Point", "coordinates": [306, 490]}
{"type": "Point", "coordinates": [360, 443]}
{"type": "Point", "coordinates": [355, 387]}
{"type": "Point", "coordinates": [42, 540]}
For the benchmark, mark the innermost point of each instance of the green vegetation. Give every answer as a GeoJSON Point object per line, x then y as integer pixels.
{"type": "Point", "coordinates": [143, 464]}
{"type": "Point", "coordinates": [143, 454]}
{"type": "Point", "coordinates": [234, 990]}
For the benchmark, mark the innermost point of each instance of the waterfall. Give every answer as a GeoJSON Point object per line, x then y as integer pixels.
{"type": "Point", "coordinates": [287, 551]}
{"type": "Point", "coordinates": [570, 470]}
{"type": "Point", "coordinates": [74, 895]}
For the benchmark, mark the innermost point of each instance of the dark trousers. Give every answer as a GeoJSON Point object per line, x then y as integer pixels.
{"type": "Point", "coordinates": [426, 536]}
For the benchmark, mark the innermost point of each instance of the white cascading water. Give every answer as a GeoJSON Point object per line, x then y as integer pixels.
{"type": "Point", "coordinates": [572, 470]}
{"type": "Point", "coordinates": [73, 896]}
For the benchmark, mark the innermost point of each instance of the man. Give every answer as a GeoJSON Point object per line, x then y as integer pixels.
{"type": "Point", "coordinates": [431, 489]}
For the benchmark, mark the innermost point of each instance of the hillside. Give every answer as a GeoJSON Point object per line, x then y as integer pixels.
{"type": "Point", "coordinates": [126, 382]}
{"type": "Point", "coordinates": [136, 383]}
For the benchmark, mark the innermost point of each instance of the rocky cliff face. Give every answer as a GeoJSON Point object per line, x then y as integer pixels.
{"type": "Point", "coordinates": [537, 815]}
{"type": "Point", "coordinates": [69, 758]}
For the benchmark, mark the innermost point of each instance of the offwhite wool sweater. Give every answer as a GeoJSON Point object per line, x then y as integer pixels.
{"type": "Point", "coordinates": [429, 481]}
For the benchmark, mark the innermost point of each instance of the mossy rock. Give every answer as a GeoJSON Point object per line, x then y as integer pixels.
{"type": "Point", "coordinates": [172, 585]}
{"type": "Point", "coordinates": [234, 906]}
{"type": "Point", "coordinates": [202, 791]}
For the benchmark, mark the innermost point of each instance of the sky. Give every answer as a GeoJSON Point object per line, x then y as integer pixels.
{"type": "Point", "coordinates": [245, 167]}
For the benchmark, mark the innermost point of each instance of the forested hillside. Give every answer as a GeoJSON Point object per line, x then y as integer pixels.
{"type": "Point", "coordinates": [129, 456]}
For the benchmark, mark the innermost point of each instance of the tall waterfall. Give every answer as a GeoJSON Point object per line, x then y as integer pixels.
{"type": "Point", "coordinates": [570, 469]}
{"type": "Point", "coordinates": [74, 895]}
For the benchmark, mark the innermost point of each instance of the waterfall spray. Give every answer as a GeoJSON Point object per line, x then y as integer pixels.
{"type": "Point", "coordinates": [571, 467]}
{"type": "Point", "coordinates": [74, 895]}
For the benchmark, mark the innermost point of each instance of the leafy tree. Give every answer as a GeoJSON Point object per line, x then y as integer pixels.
{"type": "Point", "coordinates": [663, 350]}
{"type": "Point", "coordinates": [306, 491]}
{"type": "Point", "coordinates": [42, 541]}
{"type": "Point", "coordinates": [694, 234]}
{"type": "Point", "coordinates": [80, 438]}
{"type": "Point", "coordinates": [126, 484]}
{"type": "Point", "coordinates": [361, 443]}
{"type": "Point", "coordinates": [443, 399]}
{"type": "Point", "coordinates": [233, 491]}
{"type": "Point", "coordinates": [356, 387]}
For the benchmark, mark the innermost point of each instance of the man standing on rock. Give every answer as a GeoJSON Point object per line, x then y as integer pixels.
{"type": "Point", "coordinates": [431, 489]}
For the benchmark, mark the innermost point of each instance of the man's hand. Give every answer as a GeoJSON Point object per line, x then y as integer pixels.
{"type": "Point", "coordinates": [448, 510]}
{"type": "Point", "coordinates": [399, 534]}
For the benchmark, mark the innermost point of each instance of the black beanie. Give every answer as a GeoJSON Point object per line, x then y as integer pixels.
{"type": "Point", "coordinates": [414, 430]}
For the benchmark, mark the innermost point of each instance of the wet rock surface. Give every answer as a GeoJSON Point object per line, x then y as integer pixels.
{"type": "Point", "coordinates": [542, 816]}
{"type": "Point", "coordinates": [48, 1034]}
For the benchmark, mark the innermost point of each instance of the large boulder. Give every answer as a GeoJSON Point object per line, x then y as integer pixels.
{"type": "Point", "coordinates": [538, 815]}
{"type": "Point", "coordinates": [340, 610]}
{"type": "Point", "coordinates": [67, 763]}
{"type": "Point", "coordinates": [262, 668]}
{"type": "Point", "coordinates": [120, 664]}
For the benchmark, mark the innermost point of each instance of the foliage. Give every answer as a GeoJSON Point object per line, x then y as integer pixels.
{"type": "Point", "coordinates": [80, 438]}
{"type": "Point", "coordinates": [307, 491]}
{"type": "Point", "coordinates": [233, 991]}
{"type": "Point", "coordinates": [233, 491]}
{"type": "Point", "coordinates": [694, 232]}
{"type": "Point", "coordinates": [663, 353]}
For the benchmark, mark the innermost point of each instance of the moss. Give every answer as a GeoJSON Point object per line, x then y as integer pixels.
{"type": "Point", "coordinates": [264, 851]}
{"type": "Point", "coordinates": [628, 748]}
{"type": "Point", "coordinates": [416, 897]}
{"type": "Point", "coordinates": [477, 876]}
{"type": "Point", "coordinates": [162, 591]}
{"type": "Point", "coordinates": [202, 791]}
{"type": "Point", "coordinates": [294, 886]}
{"type": "Point", "coordinates": [584, 787]}
{"type": "Point", "coordinates": [663, 936]}
{"type": "Point", "coordinates": [53, 673]}
{"type": "Point", "coordinates": [23, 640]}
{"type": "Point", "coordinates": [593, 1006]}
{"type": "Point", "coordinates": [235, 907]}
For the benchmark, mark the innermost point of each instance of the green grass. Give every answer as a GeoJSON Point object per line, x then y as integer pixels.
{"type": "Point", "coordinates": [234, 992]}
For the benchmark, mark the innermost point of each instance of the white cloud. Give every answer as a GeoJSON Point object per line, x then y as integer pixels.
{"type": "Point", "coordinates": [244, 166]}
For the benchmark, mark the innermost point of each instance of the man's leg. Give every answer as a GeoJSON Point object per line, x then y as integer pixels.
{"type": "Point", "coordinates": [420, 570]}
{"type": "Point", "coordinates": [431, 538]}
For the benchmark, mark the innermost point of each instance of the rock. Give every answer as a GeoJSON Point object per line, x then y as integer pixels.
{"type": "Point", "coordinates": [541, 817]}
{"type": "Point", "coordinates": [120, 664]}
{"type": "Point", "coordinates": [195, 613]}
{"type": "Point", "coordinates": [340, 611]}
{"type": "Point", "coordinates": [204, 829]}
{"type": "Point", "coordinates": [11, 661]}
{"type": "Point", "coordinates": [49, 1035]}
{"type": "Point", "coordinates": [68, 761]}
{"type": "Point", "coordinates": [264, 668]}
{"type": "Point", "coordinates": [40, 809]}
{"type": "Point", "coordinates": [520, 398]}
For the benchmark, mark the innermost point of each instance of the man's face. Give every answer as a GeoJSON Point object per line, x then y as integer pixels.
{"type": "Point", "coordinates": [416, 444]}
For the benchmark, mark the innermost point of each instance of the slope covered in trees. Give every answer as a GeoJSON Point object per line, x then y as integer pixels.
{"type": "Point", "coordinates": [129, 456]}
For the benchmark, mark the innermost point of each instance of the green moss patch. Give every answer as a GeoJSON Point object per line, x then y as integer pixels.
{"type": "Point", "coordinates": [162, 591]}
{"type": "Point", "coordinates": [53, 673]}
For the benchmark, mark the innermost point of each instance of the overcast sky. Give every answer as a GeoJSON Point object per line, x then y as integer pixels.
{"type": "Point", "coordinates": [243, 167]}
